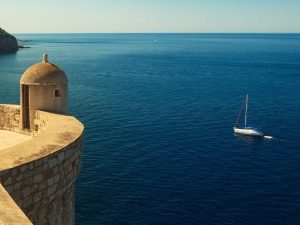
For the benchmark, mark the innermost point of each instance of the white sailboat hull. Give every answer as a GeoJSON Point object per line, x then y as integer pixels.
{"type": "Point", "coordinates": [248, 131]}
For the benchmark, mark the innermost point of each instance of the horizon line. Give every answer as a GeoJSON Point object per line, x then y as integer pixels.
{"type": "Point", "coordinates": [156, 33]}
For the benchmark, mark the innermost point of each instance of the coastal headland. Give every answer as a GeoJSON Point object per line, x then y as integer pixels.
{"type": "Point", "coordinates": [8, 43]}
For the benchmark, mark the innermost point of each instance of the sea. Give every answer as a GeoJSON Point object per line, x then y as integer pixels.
{"type": "Point", "coordinates": [158, 111]}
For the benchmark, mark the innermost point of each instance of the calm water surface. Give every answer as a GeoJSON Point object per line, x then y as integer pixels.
{"type": "Point", "coordinates": [158, 111]}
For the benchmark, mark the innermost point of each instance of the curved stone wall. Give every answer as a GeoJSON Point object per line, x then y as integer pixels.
{"type": "Point", "coordinates": [39, 174]}
{"type": "Point", "coordinates": [10, 212]}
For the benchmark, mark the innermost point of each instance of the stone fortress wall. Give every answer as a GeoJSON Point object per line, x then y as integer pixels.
{"type": "Point", "coordinates": [39, 174]}
{"type": "Point", "coordinates": [10, 212]}
{"type": "Point", "coordinates": [10, 120]}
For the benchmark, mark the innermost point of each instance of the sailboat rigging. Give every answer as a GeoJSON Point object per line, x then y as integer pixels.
{"type": "Point", "coordinates": [251, 131]}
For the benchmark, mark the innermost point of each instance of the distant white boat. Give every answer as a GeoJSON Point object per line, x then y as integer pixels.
{"type": "Point", "coordinates": [246, 130]}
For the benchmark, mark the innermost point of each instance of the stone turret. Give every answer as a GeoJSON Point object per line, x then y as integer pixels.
{"type": "Point", "coordinates": [43, 86]}
{"type": "Point", "coordinates": [40, 151]}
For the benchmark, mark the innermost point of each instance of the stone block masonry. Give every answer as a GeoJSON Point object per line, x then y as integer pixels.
{"type": "Point", "coordinates": [10, 120]}
{"type": "Point", "coordinates": [39, 174]}
{"type": "Point", "coordinates": [9, 211]}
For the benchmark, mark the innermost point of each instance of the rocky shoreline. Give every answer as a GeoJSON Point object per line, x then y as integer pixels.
{"type": "Point", "coordinates": [8, 43]}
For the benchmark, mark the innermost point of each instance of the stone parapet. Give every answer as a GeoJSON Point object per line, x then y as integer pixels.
{"type": "Point", "coordinates": [39, 174]}
{"type": "Point", "coordinates": [10, 120]}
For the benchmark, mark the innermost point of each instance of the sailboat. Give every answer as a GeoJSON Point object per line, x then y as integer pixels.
{"type": "Point", "coordinates": [247, 130]}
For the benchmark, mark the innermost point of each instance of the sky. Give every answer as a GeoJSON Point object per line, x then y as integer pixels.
{"type": "Point", "coordinates": [126, 16]}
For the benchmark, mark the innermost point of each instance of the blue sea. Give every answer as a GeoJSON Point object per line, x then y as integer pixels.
{"type": "Point", "coordinates": [158, 111]}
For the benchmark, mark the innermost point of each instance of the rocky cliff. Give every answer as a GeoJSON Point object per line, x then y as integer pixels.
{"type": "Point", "coordinates": [8, 43]}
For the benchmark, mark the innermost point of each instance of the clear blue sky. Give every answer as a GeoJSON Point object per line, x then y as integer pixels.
{"type": "Point", "coordinates": [34, 16]}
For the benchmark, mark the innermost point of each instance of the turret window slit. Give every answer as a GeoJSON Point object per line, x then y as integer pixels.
{"type": "Point", "coordinates": [57, 93]}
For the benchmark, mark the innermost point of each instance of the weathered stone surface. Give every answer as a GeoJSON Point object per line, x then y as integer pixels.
{"type": "Point", "coordinates": [26, 191]}
{"type": "Point", "coordinates": [52, 162]}
{"type": "Point", "coordinates": [10, 213]}
{"type": "Point", "coordinates": [42, 181]}
{"type": "Point", "coordinates": [38, 178]}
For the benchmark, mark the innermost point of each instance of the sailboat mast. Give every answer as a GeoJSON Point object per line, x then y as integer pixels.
{"type": "Point", "coordinates": [246, 110]}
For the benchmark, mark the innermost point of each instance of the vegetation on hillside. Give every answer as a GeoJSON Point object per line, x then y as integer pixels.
{"type": "Point", "coordinates": [8, 43]}
{"type": "Point", "coordinates": [4, 33]}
